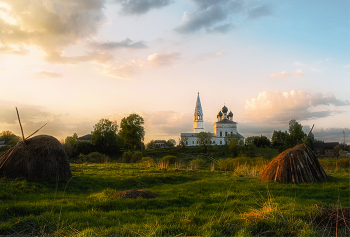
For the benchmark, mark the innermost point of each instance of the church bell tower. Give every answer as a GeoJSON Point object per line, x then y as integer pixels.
{"type": "Point", "coordinates": [198, 117]}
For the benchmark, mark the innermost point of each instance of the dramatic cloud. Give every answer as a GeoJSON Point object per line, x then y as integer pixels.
{"type": "Point", "coordinates": [50, 25]}
{"type": "Point", "coordinates": [138, 7]}
{"type": "Point", "coordinates": [214, 16]}
{"type": "Point", "coordinates": [158, 60]}
{"type": "Point", "coordinates": [45, 74]}
{"type": "Point", "coordinates": [279, 107]}
{"type": "Point", "coordinates": [284, 74]}
{"type": "Point", "coordinates": [127, 43]}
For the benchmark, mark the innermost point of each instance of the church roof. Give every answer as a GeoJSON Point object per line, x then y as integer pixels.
{"type": "Point", "coordinates": [225, 121]}
{"type": "Point", "coordinates": [224, 109]}
{"type": "Point", "coordinates": [198, 109]}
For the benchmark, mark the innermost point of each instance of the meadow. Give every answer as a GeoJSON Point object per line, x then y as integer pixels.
{"type": "Point", "coordinates": [194, 198]}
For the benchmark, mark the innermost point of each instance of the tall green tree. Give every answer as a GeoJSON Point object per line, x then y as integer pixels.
{"type": "Point", "coordinates": [171, 142]}
{"type": "Point", "coordinates": [105, 136]}
{"type": "Point", "coordinates": [296, 134]}
{"type": "Point", "coordinates": [132, 131]}
{"type": "Point", "coordinates": [204, 139]}
{"type": "Point", "coordinates": [278, 138]}
{"type": "Point", "coordinates": [230, 137]}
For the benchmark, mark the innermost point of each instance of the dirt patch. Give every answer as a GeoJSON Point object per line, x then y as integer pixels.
{"type": "Point", "coordinates": [133, 194]}
{"type": "Point", "coordinates": [336, 217]}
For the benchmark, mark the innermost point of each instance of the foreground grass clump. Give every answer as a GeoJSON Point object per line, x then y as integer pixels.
{"type": "Point", "coordinates": [201, 201]}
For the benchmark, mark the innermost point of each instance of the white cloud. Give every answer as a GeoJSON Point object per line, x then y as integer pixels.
{"type": "Point", "coordinates": [125, 71]}
{"type": "Point", "coordinates": [298, 73]}
{"type": "Point", "coordinates": [279, 107]}
{"type": "Point", "coordinates": [158, 60]}
{"type": "Point", "coordinates": [209, 56]}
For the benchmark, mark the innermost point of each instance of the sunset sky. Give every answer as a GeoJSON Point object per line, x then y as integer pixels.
{"type": "Point", "coordinates": [72, 63]}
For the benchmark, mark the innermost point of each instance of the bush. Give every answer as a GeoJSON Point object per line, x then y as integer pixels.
{"type": "Point", "coordinates": [148, 161]}
{"type": "Point", "coordinates": [169, 159]}
{"type": "Point", "coordinates": [127, 156]}
{"type": "Point", "coordinates": [94, 157]}
{"type": "Point", "coordinates": [197, 163]}
{"type": "Point", "coordinates": [136, 157]}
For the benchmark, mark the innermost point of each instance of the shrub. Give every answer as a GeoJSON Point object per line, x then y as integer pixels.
{"type": "Point", "coordinates": [197, 163]}
{"type": "Point", "coordinates": [169, 159]}
{"type": "Point", "coordinates": [136, 157]}
{"type": "Point", "coordinates": [148, 161]}
{"type": "Point", "coordinates": [127, 156]}
{"type": "Point", "coordinates": [94, 157]}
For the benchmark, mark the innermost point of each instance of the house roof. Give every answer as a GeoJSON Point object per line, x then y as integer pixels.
{"type": "Point", "coordinates": [323, 145]}
{"type": "Point", "coordinates": [86, 137]}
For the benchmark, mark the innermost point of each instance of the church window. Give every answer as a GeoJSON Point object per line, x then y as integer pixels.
{"type": "Point", "coordinates": [220, 142]}
{"type": "Point", "coordinates": [197, 142]}
{"type": "Point", "coordinates": [225, 134]}
{"type": "Point", "coordinates": [192, 142]}
{"type": "Point", "coordinates": [231, 132]}
{"type": "Point", "coordinates": [186, 143]}
{"type": "Point", "coordinates": [220, 134]}
{"type": "Point", "coordinates": [213, 142]}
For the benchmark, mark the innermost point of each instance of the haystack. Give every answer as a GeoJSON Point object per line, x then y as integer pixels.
{"type": "Point", "coordinates": [38, 158]}
{"type": "Point", "coordinates": [298, 165]}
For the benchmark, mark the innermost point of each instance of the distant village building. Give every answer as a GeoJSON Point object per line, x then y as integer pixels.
{"type": "Point", "coordinates": [159, 144]}
{"type": "Point", "coordinates": [224, 126]}
{"type": "Point", "coordinates": [86, 138]}
{"type": "Point", "coordinates": [325, 148]}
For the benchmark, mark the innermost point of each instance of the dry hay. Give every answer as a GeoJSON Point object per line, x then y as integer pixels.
{"type": "Point", "coordinates": [38, 158]}
{"type": "Point", "coordinates": [298, 164]}
{"type": "Point", "coordinates": [133, 194]}
{"type": "Point", "coordinates": [335, 217]}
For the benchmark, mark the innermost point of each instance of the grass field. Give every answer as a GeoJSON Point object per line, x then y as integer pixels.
{"type": "Point", "coordinates": [202, 202]}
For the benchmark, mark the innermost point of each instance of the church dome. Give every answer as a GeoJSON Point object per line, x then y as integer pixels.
{"type": "Point", "coordinates": [219, 114]}
{"type": "Point", "coordinates": [230, 114]}
{"type": "Point", "coordinates": [224, 109]}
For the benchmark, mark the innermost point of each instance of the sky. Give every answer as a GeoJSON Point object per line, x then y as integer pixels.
{"type": "Point", "coordinates": [71, 63]}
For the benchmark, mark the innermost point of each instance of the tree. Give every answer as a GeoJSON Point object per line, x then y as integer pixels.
{"type": "Point", "coordinates": [150, 145]}
{"type": "Point", "coordinates": [278, 138]}
{"type": "Point", "coordinates": [132, 132]}
{"type": "Point", "coordinates": [236, 145]}
{"type": "Point", "coordinates": [71, 141]}
{"type": "Point", "coordinates": [204, 139]}
{"type": "Point", "coordinates": [171, 142]}
{"type": "Point", "coordinates": [105, 136]}
{"type": "Point", "coordinates": [296, 135]}
{"type": "Point", "coordinates": [183, 142]}
{"type": "Point", "coordinates": [230, 137]}
{"type": "Point", "coordinates": [258, 141]}
{"type": "Point", "coordinates": [10, 137]}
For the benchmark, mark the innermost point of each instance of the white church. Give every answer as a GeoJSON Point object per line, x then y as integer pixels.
{"type": "Point", "coordinates": [224, 126]}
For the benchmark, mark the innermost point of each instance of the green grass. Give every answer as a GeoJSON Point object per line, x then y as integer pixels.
{"type": "Point", "coordinates": [190, 202]}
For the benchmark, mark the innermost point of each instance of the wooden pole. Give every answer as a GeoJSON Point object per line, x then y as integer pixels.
{"type": "Point", "coordinates": [19, 120]}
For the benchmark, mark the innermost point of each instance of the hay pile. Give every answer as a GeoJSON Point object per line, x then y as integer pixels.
{"type": "Point", "coordinates": [133, 194]}
{"type": "Point", "coordinates": [298, 164]}
{"type": "Point", "coordinates": [38, 158]}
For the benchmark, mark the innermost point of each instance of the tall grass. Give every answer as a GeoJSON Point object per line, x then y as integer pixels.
{"type": "Point", "coordinates": [243, 166]}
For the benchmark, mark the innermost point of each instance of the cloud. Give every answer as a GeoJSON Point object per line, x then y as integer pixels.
{"type": "Point", "coordinates": [329, 99]}
{"type": "Point", "coordinates": [298, 73]}
{"type": "Point", "coordinates": [98, 57]}
{"type": "Point", "coordinates": [125, 71]}
{"type": "Point", "coordinates": [328, 134]}
{"type": "Point", "coordinates": [51, 25]}
{"type": "Point", "coordinates": [14, 50]}
{"type": "Point", "coordinates": [158, 60]}
{"type": "Point", "coordinates": [260, 11]}
{"type": "Point", "coordinates": [210, 56]}
{"type": "Point", "coordinates": [127, 43]}
{"type": "Point", "coordinates": [279, 107]}
{"type": "Point", "coordinates": [215, 16]}
{"type": "Point", "coordinates": [138, 7]}
{"type": "Point", "coordinates": [45, 74]}
{"type": "Point", "coordinates": [282, 74]}
{"type": "Point", "coordinates": [203, 19]}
